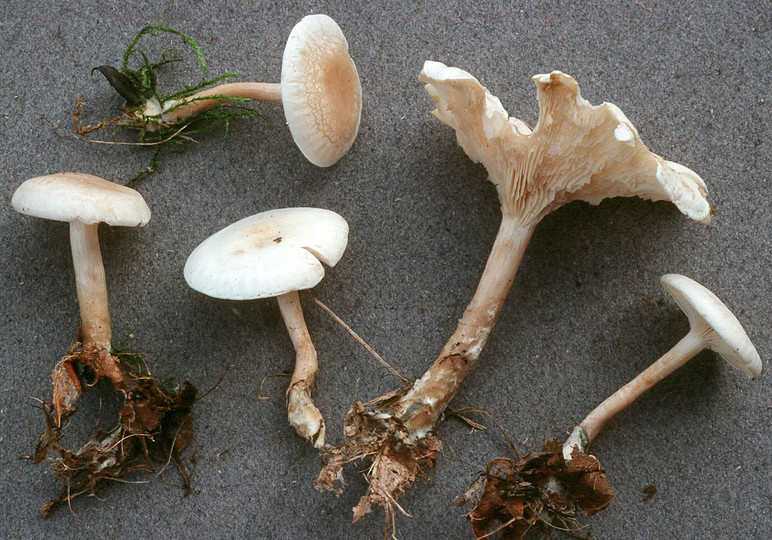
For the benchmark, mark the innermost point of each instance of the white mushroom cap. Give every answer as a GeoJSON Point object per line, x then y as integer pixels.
{"type": "Point", "coordinates": [320, 90]}
{"type": "Point", "coordinates": [720, 329]}
{"type": "Point", "coordinates": [82, 197]}
{"type": "Point", "coordinates": [268, 254]}
{"type": "Point", "coordinates": [577, 151]}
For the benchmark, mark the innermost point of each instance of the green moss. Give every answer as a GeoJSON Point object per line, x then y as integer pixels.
{"type": "Point", "coordinates": [137, 82]}
{"type": "Point", "coordinates": [136, 363]}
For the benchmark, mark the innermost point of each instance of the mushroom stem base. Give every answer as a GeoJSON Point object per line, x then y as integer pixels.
{"type": "Point", "coordinates": [67, 383]}
{"type": "Point", "coordinates": [396, 461]}
{"type": "Point", "coordinates": [422, 405]}
{"type": "Point", "coordinates": [397, 431]}
{"type": "Point", "coordinates": [303, 415]}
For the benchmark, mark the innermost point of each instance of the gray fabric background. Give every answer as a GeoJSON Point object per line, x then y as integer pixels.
{"type": "Point", "coordinates": [586, 312]}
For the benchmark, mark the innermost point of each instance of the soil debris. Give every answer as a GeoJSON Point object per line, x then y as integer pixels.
{"type": "Point", "coordinates": [396, 462]}
{"type": "Point", "coordinates": [649, 492]}
{"type": "Point", "coordinates": [540, 490]}
{"type": "Point", "coordinates": [154, 424]}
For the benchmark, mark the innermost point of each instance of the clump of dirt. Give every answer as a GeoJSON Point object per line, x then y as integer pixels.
{"type": "Point", "coordinates": [154, 424]}
{"type": "Point", "coordinates": [539, 490]}
{"type": "Point", "coordinates": [396, 462]}
{"type": "Point", "coordinates": [648, 492]}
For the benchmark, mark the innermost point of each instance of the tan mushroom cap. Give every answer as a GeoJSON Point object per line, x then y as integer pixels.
{"type": "Point", "coordinates": [320, 90]}
{"type": "Point", "coordinates": [577, 151]}
{"type": "Point", "coordinates": [82, 197]}
{"type": "Point", "coordinates": [720, 329]}
{"type": "Point", "coordinates": [268, 254]}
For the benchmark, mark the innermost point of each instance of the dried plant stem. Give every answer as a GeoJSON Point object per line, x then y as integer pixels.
{"type": "Point", "coordinates": [361, 341]}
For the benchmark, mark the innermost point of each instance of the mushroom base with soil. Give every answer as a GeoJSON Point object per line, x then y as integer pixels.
{"type": "Point", "coordinates": [154, 419]}
{"type": "Point", "coordinates": [396, 432]}
{"type": "Point", "coordinates": [154, 424]}
{"type": "Point", "coordinates": [396, 462]}
{"type": "Point", "coordinates": [540, 490]}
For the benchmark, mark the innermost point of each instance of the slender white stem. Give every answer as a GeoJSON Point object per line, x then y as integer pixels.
{"type": "Point", "coordinates": [192, 105]}
{"type": "Point", "coordinates": [682, 352]}
{"type": "Point", "coordinates": [422, 405]}
{"type": "Point", "coordinates": [91, 284]}
{"type": "Point", "coordinates": [301, 411]}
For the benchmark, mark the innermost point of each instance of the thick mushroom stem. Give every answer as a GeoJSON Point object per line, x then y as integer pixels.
{"type": "Point", "coordinates": [301, 411]}
{"type": "Point", "coordinates": [91, 285]}
{"type": "Point", "coordinates": [682, 352]}
{"type": "Point", "coordinates": [421, 406]}
{"type": "Point", "coordinates": [206, 99]}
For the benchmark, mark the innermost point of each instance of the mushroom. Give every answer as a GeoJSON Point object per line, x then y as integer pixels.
{"type": "Point", "coordinates": [576, 152]}
{"type": "Point", "coordinates": [712, 326]}
{"type": "Point", "coordinates": [319, 89]}
{"type": "Point", "coordinates": [154, 421]}
{"type": "Point", "coordinates": [276, 253]}
{"type": "Point", "coordinates": [556, 481]}
{"type": "Point", "coordinates": [84, 201]}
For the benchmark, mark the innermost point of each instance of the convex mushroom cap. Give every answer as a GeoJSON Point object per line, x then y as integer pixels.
{"type": "Point", "coordinates": [82, 197]}
{"type": "Point", "coordinates": [320, 90]}
{"type": "Point", "coordinates": [268, 254]}
{"type": "Point", "coordinates": [712, 320]}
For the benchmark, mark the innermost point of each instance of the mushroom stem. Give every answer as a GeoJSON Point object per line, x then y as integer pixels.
{"type": "Point", "coordinates": [682, 352]}
{"type": "Point", "coordinates": [209, 98]}
{"type": "Point", "coordinates": [422, 405]}
{"type": "Point", "coordinates": [90, 284]}
{"type": "Point", "coordinates": [301, 411]}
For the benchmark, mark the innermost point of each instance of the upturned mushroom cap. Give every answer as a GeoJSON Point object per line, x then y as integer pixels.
{"type": "Point", "coordinates": [720, 329]}
{"type": "Point", "coordinates": [320, 90]}
{"type": "Point", "coordinates": [576, 152]}
{"type": "Point", "coordinates": [83, 197]}
{"type": "Point", "coordinates": [268, 254]}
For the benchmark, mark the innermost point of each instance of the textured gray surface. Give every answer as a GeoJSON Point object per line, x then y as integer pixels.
{"type": "Point", "coordinates": [586, 312]}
